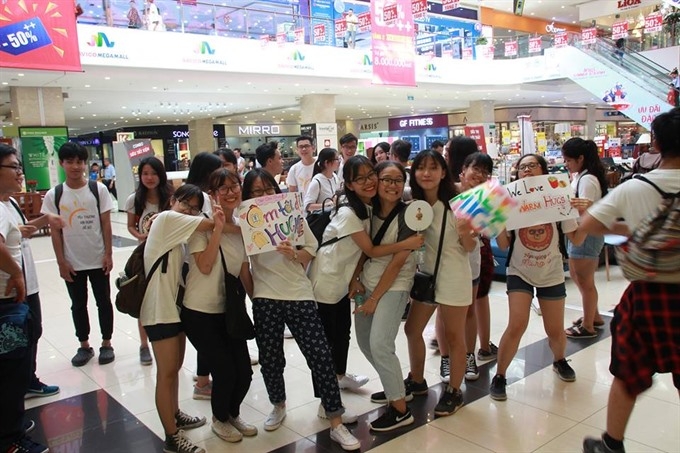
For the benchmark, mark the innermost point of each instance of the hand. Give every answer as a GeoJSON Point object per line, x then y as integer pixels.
{"type": "Point", "coordinates": [218, 217]}
{"type": "Point", "coordinates": [464, 227]}
{"type": "Point", "coordinates": [356, 287]}
{"type": "Point", "coordinates": [27, 230]}
{"type": "Point", "coordinates": [107, 264]}
{"type": "Point", "coordinates": [16, 282]}
{"type": "Point", "coordinates": [55, 222]}
{"type": "Point", "coordinates": [581, 204]}
{"type": "Point", "coordinates": [368, 307]}
{"type": "Point", "coordinates": [414, 242]}
{"type": "Point", "coordinates": [287, 249]}
{"type": "Point", "coordinates": [66, 271]}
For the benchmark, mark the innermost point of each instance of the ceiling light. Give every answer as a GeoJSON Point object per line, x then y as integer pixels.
{"type": "Point", "coordinates": [107, 78]}
{"type": "Point", "coordinates": [87, 86]}
{"type": "Point", "coordinates": [21, 74]}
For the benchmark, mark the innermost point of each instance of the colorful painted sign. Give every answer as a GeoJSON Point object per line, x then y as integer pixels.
{"type": "Point", "coordinates": [535, 45]}
{"type": "Point", "coordinates": [620, 30]}
{"type": "Point", "coordinates": [393, 47]}
{"type": "Point", "coordinates": [487, 206]}
{"type": "Point", "coordinates": [39, 150]}
{"type": "Point", "coordinates": [588, 35]}
{"type": "Point", "coordinates": [511, 48]}
{"type": "Point", "coordinates": [267, 221]}
{"type": "Point", "coordinates": [654, 23]}
{"type": "Point", "coordinates": [540, 199]}
{"type": "Point", "coordinates": [39, 35]}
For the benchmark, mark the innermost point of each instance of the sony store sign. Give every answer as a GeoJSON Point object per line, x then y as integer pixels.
{"type": "Point", "coordinates": [264, 130]}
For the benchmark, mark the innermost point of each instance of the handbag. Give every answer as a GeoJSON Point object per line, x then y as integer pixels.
{"type": "Point", "coordinates": [237, 321]}
{"type": "Point", "coordinates": [14, 331]}
{"type": "Point", "coordinates": [424, 284]}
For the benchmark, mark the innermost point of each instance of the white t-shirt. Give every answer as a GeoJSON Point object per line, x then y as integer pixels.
{"type": "Point", "coordinates": [536, 256]}
{"type": "Point", "coordinates": [332, 269]}
{"type": "Point", "coordinates": [321, 188]}
{"type": "Point", "coordinates": [205, 292]}
{"type": "Point", "coordinates": [588, 186]}
{"type": "Point", "coordinates": [299, 176]}
{"type": "Point", "coordinates": [634, 200]}
{"type": "Point", "coordinates": [454, 280]}
{"type": "Point", "coordinates": [149, 211]}
{"type": "Point", "coordinates": [277, 277]}
{"type": "Point", "coordinates": [10, 232]}
{"type": "Point", "coordinates": [375, 267]}
{"type": "Point", "coordinates": [29, 265]}
{"type": "Point", "coordinates": [169, 231]}
{"type": "Point", "coordinates": [83, 237]}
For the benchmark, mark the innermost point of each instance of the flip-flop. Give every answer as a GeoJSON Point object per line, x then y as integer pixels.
{"type": "Point", "coordinates": [577, 332]}
{"type": "Point", "coordinates": [596, 324]}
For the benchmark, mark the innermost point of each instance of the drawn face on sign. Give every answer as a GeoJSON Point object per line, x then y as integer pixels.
{"type": "Point", "coordinates": [537, 237]}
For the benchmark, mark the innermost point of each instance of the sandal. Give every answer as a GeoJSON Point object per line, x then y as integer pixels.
{"type": "Point", "coordinates": [596, 324]}
{"type": "Point", "coordinates": [579, 332]}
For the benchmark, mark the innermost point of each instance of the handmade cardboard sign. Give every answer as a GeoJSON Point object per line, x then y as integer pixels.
{"type": "Point", "coordinates": [267, 221]}
{"type": "Point", "coordinates": [540, 199]}
{"type": "Point", "coordinates": [487, 206]}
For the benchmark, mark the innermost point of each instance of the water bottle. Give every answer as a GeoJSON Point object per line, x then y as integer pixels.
{"type": "Point", "coordinates": [420, 255]}
{"type": "Point", "coordinates": [359, 299]}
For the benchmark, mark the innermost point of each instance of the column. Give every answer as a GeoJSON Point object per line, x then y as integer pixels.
{"type": "Point", "coordinates": [317, 108]}
{"type": "Point", "coordinates": [33, 106]}
{"type": "Point", "coordinates": [201, 136]}
{"type": "Point", "coordinates": [591, 121]}
{"type": "Point", "coordinates": [483, 113]}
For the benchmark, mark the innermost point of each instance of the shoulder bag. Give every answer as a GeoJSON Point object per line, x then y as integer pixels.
{"type": "Point", "coordinates": [424, 284]}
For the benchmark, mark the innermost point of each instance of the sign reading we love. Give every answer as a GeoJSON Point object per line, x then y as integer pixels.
{"type": "Point", "coordinates": [267, 221]}
{"type": "Point", "coordinates": [540, 199]}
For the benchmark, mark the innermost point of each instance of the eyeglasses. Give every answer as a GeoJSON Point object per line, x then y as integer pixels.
{"type": "Point", "coordinates": [193, 210]}
{"type": "Point", "coordinates": [390, 181]}
{"type": "Point", "coordinates": [223, 190]}
{"type": "Point", "coordinates": [17, 168]}
{"type": "Point", "coordinates": [529, 166]}
{"type": "Point", "coordinates": [259, 192]}
{"type": "Point", "coordinates": [304, 146]}
{"type": "Point", "coordinates": [479, 171]}
{"type": "Point", "coordinates": [361, 180]}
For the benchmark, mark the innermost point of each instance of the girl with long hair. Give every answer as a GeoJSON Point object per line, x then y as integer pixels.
{"type": "Point", "coordinates": [590, 185]}
{"type": "Point", "coordinates": [151, 197]}
{"type": "Point", "coordinates": [325, 183]}
{"type": "Point", "coordinates": [381, 153]}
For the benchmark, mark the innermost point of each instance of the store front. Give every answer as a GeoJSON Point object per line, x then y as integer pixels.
{"type": "Point", "coordinates": [248, 137]}
{"type": "Point", "coordinates": [371, 132]}
{"type": "Point", "coordinates": [420, 131]}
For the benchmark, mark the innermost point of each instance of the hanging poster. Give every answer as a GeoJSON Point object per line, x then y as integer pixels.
{"type": "Point", "coordinates": [620, 30]}
{"type": "Point", "coordinates": [267, 221]}
{"type": "Point", "coordinates": [561, 39]}
{"type": "Point", "coordinates": [540, 199]}
{"type": "Point", "coordinates": [419, 9]}
{"type": "Point", "coordinates": [511, 48]}
{"type": "Point", "coordinates": [588, 35]}
{"type": "Point", "coordinates": [39, 151]}
{"type": "Point", "coordinates": [448, 5]}
{"type": "Point", "coordinates": [393, 49]}
{"type": "Point", "coordinates": [653, 23]}
{"type": "Point", "coordinates": [535, 45]}
{"type": "Point", "coordinates": [487, 206]}
{"type": "Point", "coordinates": [319, 33]}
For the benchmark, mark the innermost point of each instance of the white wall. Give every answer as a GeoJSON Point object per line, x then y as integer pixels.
{"type": "Point", "coordinates": [669, 57]}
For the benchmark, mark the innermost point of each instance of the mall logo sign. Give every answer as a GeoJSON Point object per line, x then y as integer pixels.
{"type": "Point", "coordinates": [628, 4]}
{"type": "Point", "coordinates": [100, 40]}
{"type": "Point", "coordinates": [205, 49]}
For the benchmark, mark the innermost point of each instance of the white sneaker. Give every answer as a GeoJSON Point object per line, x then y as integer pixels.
{"type": "Point", "coordinates": [352, 381]}
{"type": "Point", "coordinates": [287, 333]}
{"type": "Point", "coordinates": [346, 440]}
{"type": "Point", "coordinates": [348, 416]}
{"type": "Point", "coordinates": [226, 431]}
{"type": "Point", "coordinates": [275, 418]}
{"type": "Point", "coordinates": [244, 427]}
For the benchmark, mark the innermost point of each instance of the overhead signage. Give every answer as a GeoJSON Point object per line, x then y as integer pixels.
{"type": "Point", "coordinates": [364, 21]}
{"type": "Point", "coordinates": [419, 9]}
{"type": "Point", "coordinates": [628, 4]}
{"type": "Point", "coordinates": [511, 48]}
{"type": "Point", "coordinates": [620, 30]}
{"type": "Point", "coordinates": [261, 130]}
{"type": "Point", "coordinates": [418, 122]}
{"type": "Point", "coordinates": [654, 23]}
{"type": "Point", "coordinates": [561, 39]}
{"type": "Point", "coordinates": [393, 48]}
{"type": "Point", "coordinates": [319, 33]}
{"type": "Point", "coordinates": [535, 45]}
{"type": "Point", "coordinates": [588, 35]}
{"type": "Point", "coordinates": [448, 5]}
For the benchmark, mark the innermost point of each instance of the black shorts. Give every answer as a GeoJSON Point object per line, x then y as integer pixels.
{"type": "Point", "coordinates": [517, 284]}
{"type": "Point", "coordinates": [158, 332]}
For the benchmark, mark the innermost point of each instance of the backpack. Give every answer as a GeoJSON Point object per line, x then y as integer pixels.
{"type": "Point", "coordinates": [651, 253]}
{"type": "Point", "coordinates": [59, 191]}
{"type": "Point", "coordinates": [318, 220]}
{"type": "Point", "coordinates": [132, 284]}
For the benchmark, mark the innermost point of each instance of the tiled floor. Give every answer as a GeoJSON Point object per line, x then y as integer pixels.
{"type": "Point", "coordinates": [111, 408]}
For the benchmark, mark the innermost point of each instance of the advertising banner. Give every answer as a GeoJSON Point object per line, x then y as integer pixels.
{"type": "Point", "coordinates": [561, 39]}
{"type": "Point", "coordinates": [588, 35]}
{"type": "Point", "coordinates": [340, 28]}
{"type": "Point", "coordinates": [477, 134]}
{"type": "Point", "coordinates": [138, 150]}
{"type": "Point", "coordinates": [653, 23]}
{"type": "Point", "coordinates": [620, 30]}
{"type": "Point", "coordinates": [299, 35]}
{"type": "Point", "coordinates": [419, 9]}
{"type": "Point", "coordinates": [267, 221]}
{"type": "Point", "coordinates": [511, 48]}
{"type": "Point", "coordinates": [487, 206]}
{"type": "Point", "coordinates": [364, 21]}
{"type": "Point", "coordinates": [540, 199]}
{"type": "Point", "coordinates": [323, 13]}
{"type": "Point", "coordinates": [393, 45]}
{"type": "Point", "coordinates": [40, 36]}
{"type": "Point", "coordinates": [535, 45]}
{"type": "Point", "coordinates": [319, 33]}
{"type": "Point", "coordinates": [39, 147]}
{"type": "Point", "coordinates": [448, 5]}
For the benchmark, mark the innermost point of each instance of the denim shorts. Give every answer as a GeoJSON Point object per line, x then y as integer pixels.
{"type": "Point", "coordinates": [590, 249]}
{"type": "Point", "coordinates": [517, 284]}
{"type": "Point", "coordinates": [158, 332]}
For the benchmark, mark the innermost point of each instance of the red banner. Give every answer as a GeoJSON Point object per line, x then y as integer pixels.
{"type": "Point", "coordinates": [477, 134]}
{"type": "Point", "coordinates": [653, 23]}
{"type": "Point", "coordinates": [319, 33]}
{"type": "Point", "coordinates": [299, 36]}
{"type": "Point", "coordinates": [390, 14]}
{"type": "Point", "coordinates": [419, 9]}
{"type": "Point", "coordinates": [535, 45]}
{"type": "Point", "coordinates": [620, 30]}
{"type": "Point", "coordinates": [281, 37]}
{"type": "Point", "coordinates": [364, 21]}
{"type": "Point", "coordinates": [588, 35]}
{"type": "Point", "coordinates": [467, 53]}
{"type": "Point", "coordinates": [561, 39]}
{"type": "Point", "coordinates": [448, 5]}
{"type": "Point", "coordinates": [340, 28]}
{"type": "Point", "coordinates": [42, 36]}
{"type": "Point", "coordinates": [511, 48]}
{"type": "Point", "coordinates": [393, 47]}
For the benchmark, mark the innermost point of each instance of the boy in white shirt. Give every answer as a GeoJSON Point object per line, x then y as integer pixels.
{"type": "Point", "coordinates": [300, 174]}
{"type": "Point", "coordinates": [83, 249]}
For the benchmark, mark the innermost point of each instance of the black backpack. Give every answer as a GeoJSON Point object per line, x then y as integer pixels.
{"type": "Point", "coordinates": [132, 285]}
{"type": "Point", "coordinates": [318, 220]}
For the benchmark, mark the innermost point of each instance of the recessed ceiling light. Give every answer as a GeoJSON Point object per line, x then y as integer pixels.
{"type": "Point", "coordinates": [5, 83]}
{"type": "Point", "coordinates": [107, 78]}
{"type": "Point", "coordinates": [87, 86]}
{"type": "Point", "coordinates": [88, 102]}
{"type": "Point", "coordinates": [21, 74]}
{"type": "Point", "coordinates": [73, 106]}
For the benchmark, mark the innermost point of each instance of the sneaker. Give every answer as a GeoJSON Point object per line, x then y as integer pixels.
{"type": "Point", "coordinates": [38, 389]}
{"type": "Point", "coordinates": [244, 427]}
{"type": "Point", "coordinates": [381, 398]}
{"type": "Point", "coordinates": [226, 431]}
{"type": "Point", "coordinates": [434, 344]}
{"type": "Point", "coordinates": [83, 355]}
{"type": "Point", "coordinates": [179, 443]}
{"type": "Point", "coordinates": [106, 355]}
{"type": "Point", "coordinates": [593, 445]}
{"type": "Point", "coordinates": [145, 356]}
{"type": "Point", "coordinates": [287, 333]}
{"type": "Point", "coordinates": [352, 381]}
{"type": "Point", "coordinates": [564, 371]}
{"type": "Point", "coordinates": [444, 369]}
{"type": "Point", "coordinates": [414, 387]}
{"type": "Point", "coordinates": [29, 425]}
{"type": "Point", "coordinates": [578, 332]}
{"type": "Point", "coordinates": [348, 417]}
{"type": "Point", "coordinates": [275, 418]}
{"type": "Point", "coordinates": [486, 355]}
{"type": "Point", "coordinates": [471, 370]}
{"type": "Point", "coordinates": [203, 393]}
{"type": "Point", "coordinates": [497, 388]}
{"type": "Point", "coordinates": [347, 441]}
{"type": "Point", "coordinates": [450, 401]}
{"type": "Point", "coordinates": [391, 419]}
{"type": "Point", "coordinates": [186, 421]}
{"type": "Point", "coordinates": [26, 445]}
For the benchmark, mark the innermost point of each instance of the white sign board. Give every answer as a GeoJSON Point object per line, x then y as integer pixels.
{"type": "Point", "coordinates": [540, 199]}
{"type": "Point", "coordinates": [267, 221]}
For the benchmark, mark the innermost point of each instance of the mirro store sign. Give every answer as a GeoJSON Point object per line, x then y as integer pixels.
{"type": "Point", "coordinates": [261, 130]}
